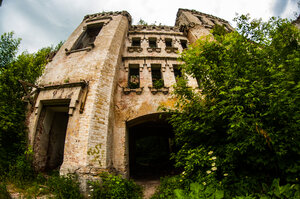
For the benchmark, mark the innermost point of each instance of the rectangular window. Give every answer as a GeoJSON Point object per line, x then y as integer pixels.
{"type": "Point", "coordinates": [157, 80]}
{"type": "Point", "coordinates": [136, 41]}
{"type": "Point", "coordinates": [134, 76]}
{"type": "Point", "coordinates": [168, 42]}
{"type": "Point", "coordinates": [200, 19]}
{"type": "Point", "coordinates": [183, 44]}
{"type": "Point", "coordinates": [88, 37]}
{"type": "Point", "coordinates": [152, 43]}
{"type": "Point", "coordinates": [177, 72]}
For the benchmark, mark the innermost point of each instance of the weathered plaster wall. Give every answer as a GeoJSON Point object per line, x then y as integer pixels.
{"type": "Point", "coordinates": [96, 137]}
{"type": "Point", "coordinates": [89, 130]}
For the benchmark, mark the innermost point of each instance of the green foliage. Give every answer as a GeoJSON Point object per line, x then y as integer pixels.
{"type": "Point", "coordinates": [112, 186]}
{"type": "Point", "coordinates": [4, 194]}
{"type": "Point", "coordinates": [158, 83]}
{"type": "Point", "coordinates": [248, 111]}
{"type": "Point", "coordinates": [8, 49]}
{"type": "Point", "coordinates": [27, 67]}
{"type": "Point", "coordinates": [133, 82]}
{"type": "Point", "coordinates": [167, 187]}
{"type": "Point", "coordinates": [64, 186]}
{"type": "Point", "coordinates": [133, 85]}
{"type": "Point", "coordinates": [142, 22]}
{"type": "Point", "coordinates": [200, 191]}
{"type": "Point", "coordinates": [285, 191]}
{"type": "Point", "coordinates": [21, 173]}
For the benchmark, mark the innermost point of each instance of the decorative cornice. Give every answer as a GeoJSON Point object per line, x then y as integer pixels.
{"type": "Point", "coordinates": [164, 90]}
{"type": "Point", "coordinates": [154, 27]}
{"type": "Point", "coordinates": [149, 58]}
{"type": "Point", "coordinates": [180, 10]}
{"type": "Point", "coordinates": [101, 15]}
{"type": "Point", "coordinates": [127, 90]}
{"type": "Point", "coordinates": [64, 85]}
{"type": "Point", "coordinates": [132, 49]}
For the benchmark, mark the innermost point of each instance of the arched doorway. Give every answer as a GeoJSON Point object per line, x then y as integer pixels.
{"type": "Point", "coordinates": [150, 146]}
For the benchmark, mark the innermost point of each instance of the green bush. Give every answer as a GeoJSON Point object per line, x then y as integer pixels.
{"type": "Point", "coordinates": [247, 112]}
{"type": "Point", "coordinates": [200, 191]}
{"type": "Point", "coordinates": [112, 186]}
{"type": "Point", "coordinates": [284, 191]}
{"type": "Point", "coordinates": [21, 173]}
{"type": "Point", "coordinates": [158, 83]}
{"type": "Point", "coordinates": [3, 191]}
{"type": "Point", "coordinates": [64, 186]}
{"type": "Point", "coordinates": [167, 187]}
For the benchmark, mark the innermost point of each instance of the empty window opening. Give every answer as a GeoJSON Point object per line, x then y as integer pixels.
{"type": "Point", "coordinates": [213, 21]}
{"type": "Point", "coordinates": [152, 43]}
{"type": "Point", "coordinates": [88, 37]}
{"type": "Point", "coordinates": [50, 137]}
{"type": "Point", "coordinates": [136, 41]}
{"type": "Point", "coordinates": [200, 19]}
{"type": "Point", "coordinates": [168, 42]}
{"type": "Point", "coordinates": [134, 76]}
{"type": "Point", "coordinates": [177, 72]}
{"type": "Point", "coordinates": [157, 81]}
{"type": "Point", "coordinates": [150, 146]}
{"type": "Point", "coordinates": [183, 44]}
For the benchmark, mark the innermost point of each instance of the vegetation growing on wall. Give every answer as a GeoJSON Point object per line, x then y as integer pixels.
{"type": "Point", "coordinates": [248, 112]}
{"type": "Point", "coordinates": [239, 137]}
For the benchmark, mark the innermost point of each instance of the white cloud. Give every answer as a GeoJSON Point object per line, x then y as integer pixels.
{"type": "Point", "coordinates": [42, 23]}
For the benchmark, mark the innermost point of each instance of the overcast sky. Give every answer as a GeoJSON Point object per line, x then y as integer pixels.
{"type": "Point", "coordinates": [42, 23]}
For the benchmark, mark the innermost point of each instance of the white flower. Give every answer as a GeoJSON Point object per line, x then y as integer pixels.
{"type": "Point", "coordinates": [208, 171]}
{"type": "Point", "coordinates": [92, 189]}
{"type": "Point", "coordinates": [214, 168]}
{"type": "Point", "coordinates": [225, 174]}
{"type": "Point", "coordinates": [89, 195]}
{"type": "Point", "coordinates": [213, 158]}
{"type": "Point", "coordinates": [211, 152]}
{"type": "Point", "coordinates": [204, 183]}
{"type": "Point", "coordinates": [90, 186]}
{"type": "Point", "coordinates": [213, 164]}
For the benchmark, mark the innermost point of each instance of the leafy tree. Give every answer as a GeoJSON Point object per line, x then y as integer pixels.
{"type": "Point", "coordinates": [246, 111]}
{"type": "Point", "coordinates": [8, 49]}
{"type": "Point", "coordinates": [142, 22]}
{"type": "Point", "coordinates": [27, 67]}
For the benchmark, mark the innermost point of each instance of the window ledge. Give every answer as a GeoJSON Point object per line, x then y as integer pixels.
{"type": "Point", "coordinates": [171, 49]}
{"type": "Point", "coordinates": [132, 49]}
{"type": "Point", "coordinates": [127, 90]}
{"type": "Point", "coordinates": [158, 50]}
{"type": "Point", "coordinates": [89, 48]}
{"type": "Point", "coordinates": [164, 90]}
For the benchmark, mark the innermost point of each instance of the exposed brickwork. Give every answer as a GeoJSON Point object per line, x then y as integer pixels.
{"type": "Point", "coordinates": [96, 138]}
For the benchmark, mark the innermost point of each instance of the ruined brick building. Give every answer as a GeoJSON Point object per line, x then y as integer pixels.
{"type": "Point", "coordinates": [101, 92]}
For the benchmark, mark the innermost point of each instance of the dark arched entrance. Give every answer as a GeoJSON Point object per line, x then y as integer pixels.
{"type": "Point", "coordinates": [150, 146]}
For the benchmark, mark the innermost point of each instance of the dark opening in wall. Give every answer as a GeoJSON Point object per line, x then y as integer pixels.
{"type": "Point", "coordinates": [150, 146]}
{"type": "Point", "coordinates": [134, 76]}
{"type": "Point", "coordinates": [201, 20]}
{"type": "Point", "coordinates": [136, 41]}
{"type": "Point", "coordinates": [183, 44]}
{"type": "Point", "coordinates": [177, 71]}
{"type": "Point", "coordinates": [50, 136]}
{"type": "Point", "coordinates": [152, 42]}
{"type": "Point", "coordinates": [88, 37]}
{"type": "Point", "coordinates": [168, 42]}
{"type": "Point", "coordinates": [157, 81]}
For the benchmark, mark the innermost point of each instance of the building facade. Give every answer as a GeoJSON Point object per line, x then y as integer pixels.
{"type": "Point", "coordinates": [101, 92]}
